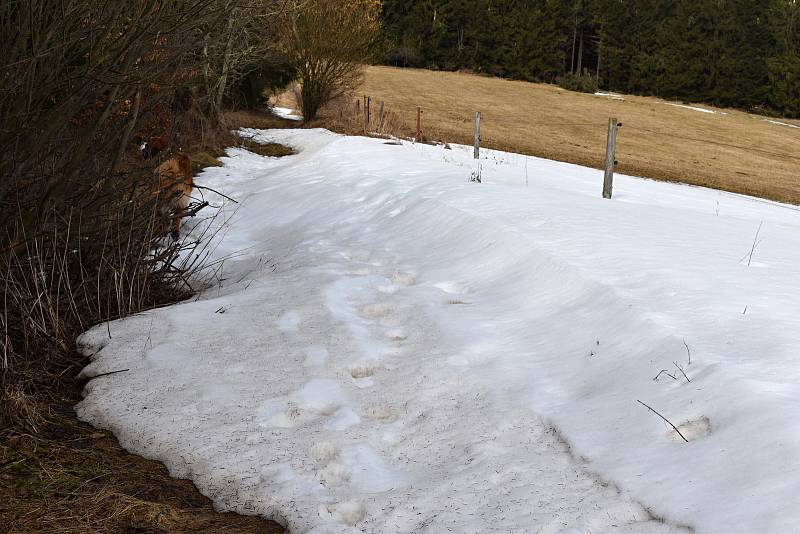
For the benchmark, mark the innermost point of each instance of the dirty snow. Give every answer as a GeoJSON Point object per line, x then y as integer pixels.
{"type": "Point", "coordinates": [405, 351]}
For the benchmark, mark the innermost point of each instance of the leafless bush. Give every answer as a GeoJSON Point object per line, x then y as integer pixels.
{"type": "Point", "coordinates": [328, 41]}
{"type": "Point", "coordinates": [81, 230]}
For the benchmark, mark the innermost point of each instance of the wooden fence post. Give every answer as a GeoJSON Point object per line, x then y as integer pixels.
{"type": "Point", "coordinates": [419, 125]}
{"type": "Point", "coordinates": [367, 102]}
{"type": "Point", "coordinates": [611, 157]}
{"type": "Point", "coordinates": [477, 135]}
{"type": "Point", "coordinates": [380, 117]}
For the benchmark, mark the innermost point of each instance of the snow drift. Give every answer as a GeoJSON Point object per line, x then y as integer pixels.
{"type": "Point", "coordinates": [390, 348]}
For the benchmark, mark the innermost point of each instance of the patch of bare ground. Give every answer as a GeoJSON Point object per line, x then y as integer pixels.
{"type": "Point", "coordinates": [723, 149]}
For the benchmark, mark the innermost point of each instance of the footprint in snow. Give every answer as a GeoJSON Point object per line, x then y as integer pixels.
{"type": "Point", "coordinates": [316, 356]}
{"type": "Point", "coordinates": [289, 322]}
{"type": "Point", "coordinates": [362, 369]}
{"type": "Point", "coordinates": [321, 396]}
{"type": "Point", "coordinates": [404, 279]}
{"type": "Point", "coordinates": [347, 512]}
{"type": "Point", "coordinates": [377, 310]}
{"type": "Point", "coordinates": [324, 451]}
{"type": "Point", "coordinates": [277, 413]}
{"type": "Point", "coordinates": [334, 474]}
{"type": "Point", "coordinates": [388, 289]}
{"type": "Point", "coordinates": [342, 419]}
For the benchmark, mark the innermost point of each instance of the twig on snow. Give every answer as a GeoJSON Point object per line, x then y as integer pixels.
{"type": "Point", "coordinates": [665, 419]}
{"type": "Point", "coordinates": [665, 372]}
{"type": "Point", "coordinates": [749, 255]}
{"type": "Point", "coordinates": [688, 351]}
{"type": "Point", "coordinates": [202, 187]}
{"type": "Point", "coordinates": [107, 374]}
{"type": "Point", "coordinates": [682, 371]}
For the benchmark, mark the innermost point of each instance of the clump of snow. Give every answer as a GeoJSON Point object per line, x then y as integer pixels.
{"type": "Point", "coordinates": [344, 392]}
{"type": "Point", "coordinates": [286, 113]}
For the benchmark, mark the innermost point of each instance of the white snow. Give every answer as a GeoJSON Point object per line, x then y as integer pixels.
{"type": "Point", "coordinates": [287, 113]}
{"type": "Point", "coordinates": [694, 108]}
{"type": "Point", "coordinates": [426, 354]}
{"type": "Point", "coordinates": [779, 123]}
{"type": "Point", "coordinates": [612, 96]}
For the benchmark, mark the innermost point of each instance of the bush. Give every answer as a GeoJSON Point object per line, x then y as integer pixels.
{"type": "Point", "coordinates": [81, 225]}
{"type": "Point", "coordinates": [261, 80]}
{"type": "Point", "coordinates": [328, 42]}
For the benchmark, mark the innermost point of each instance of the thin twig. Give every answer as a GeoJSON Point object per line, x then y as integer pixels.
{"type": "Point", "coordinates": [688, 351]}
{"type": "Point", "coordinates": [665, 372]}
{"type": "Point", "coordinates": [749, 255]}
{"type": "Point", "coordinates": [665, 419]}
{"type": "Point", "coordinates": [217, 192]}
{"type": "Point", "coordinates": [682, 371]}
{"type": "Point", "coordinates": [107, 374]}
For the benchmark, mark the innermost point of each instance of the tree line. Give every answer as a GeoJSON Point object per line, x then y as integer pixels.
{"type": "Point", "coordinates": [738, 53]}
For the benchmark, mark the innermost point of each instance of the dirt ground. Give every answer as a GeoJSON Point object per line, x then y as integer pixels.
{"type": "Point", "coordinates": [729, 149]}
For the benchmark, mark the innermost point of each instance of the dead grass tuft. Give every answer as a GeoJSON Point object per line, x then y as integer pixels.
{"type": "Point", "coordinates": [207, 157]}
{"type": "Point", "coordinates": [261, 119]}
{"type": "Point", "coordinates": [272, 150]}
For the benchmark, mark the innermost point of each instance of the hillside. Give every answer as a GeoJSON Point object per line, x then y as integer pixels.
{"type": "Point", "coordinates": [389, 348]}
{"type": "Point", "coordinates": [721, 148]}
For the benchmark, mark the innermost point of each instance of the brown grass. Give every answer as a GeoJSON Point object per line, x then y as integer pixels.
{"type": "Point", "coordinates": [737, 152]}
{"type": "Point", "coordinates": [72, 478]}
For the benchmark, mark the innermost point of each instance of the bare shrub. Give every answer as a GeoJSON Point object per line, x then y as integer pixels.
{"type": "Point", "coordinates": [80, 220]}
{"type": "Point", "coordinates": [328, 41]}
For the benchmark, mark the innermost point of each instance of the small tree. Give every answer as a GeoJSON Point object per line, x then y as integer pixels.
{"type": "Point", "coordinates": [328, 42]}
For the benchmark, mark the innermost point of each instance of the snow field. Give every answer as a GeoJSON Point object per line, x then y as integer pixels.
{"type": "Point", "coordinates": [393, 372]}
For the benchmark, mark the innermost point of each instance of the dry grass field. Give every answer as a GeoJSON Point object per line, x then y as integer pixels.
{"type": "Point", "coordinates": [729, 149]}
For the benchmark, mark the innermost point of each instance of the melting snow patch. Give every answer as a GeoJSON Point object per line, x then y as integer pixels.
{"type": "Point", "coordinates": [693, 108]}
{"type": "Point", "coordinates": [612, 96]}
{"type": "Point", "coordinates": [779, 123]}
{"type": "Point", "coordinates": [286, 113]}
